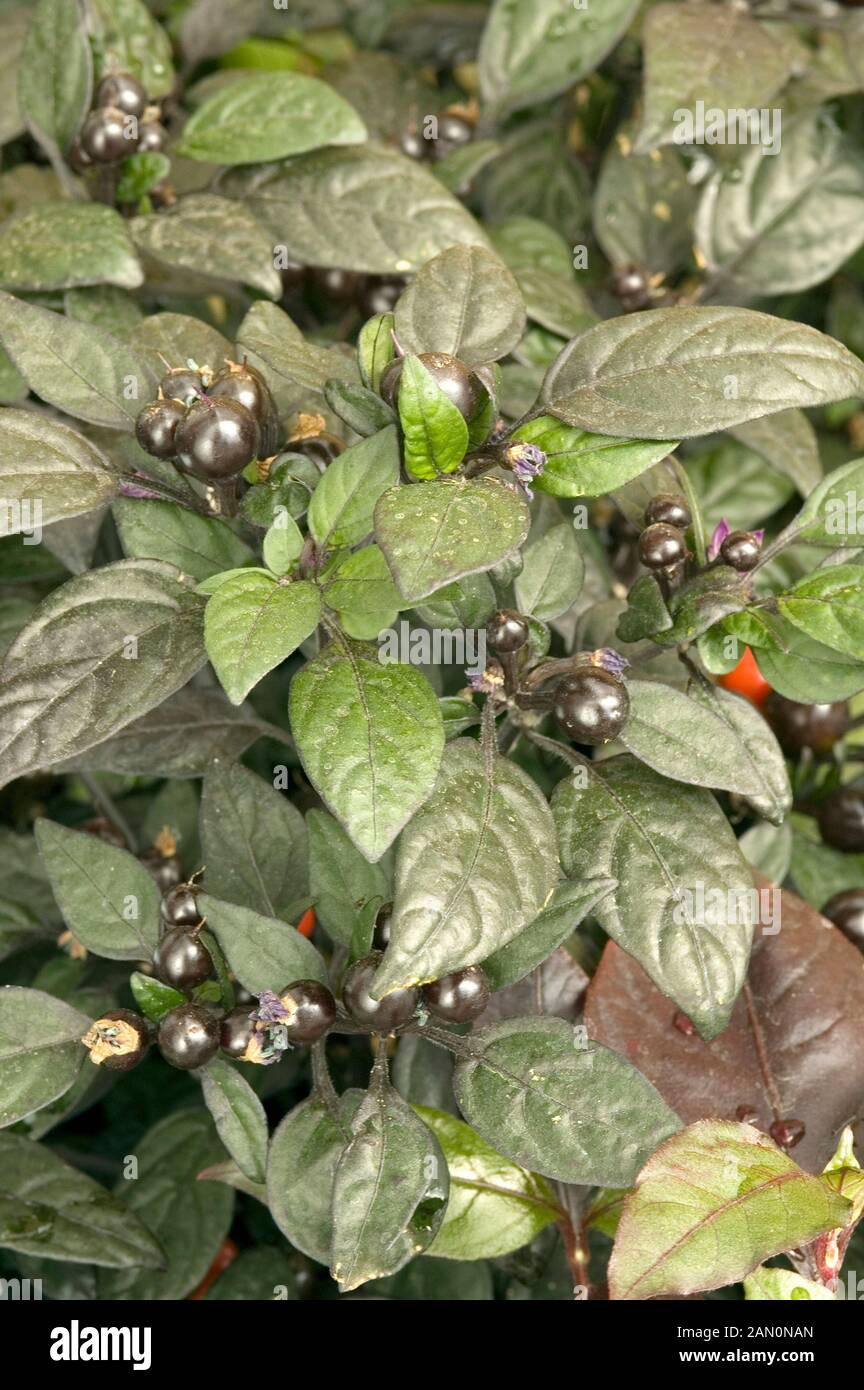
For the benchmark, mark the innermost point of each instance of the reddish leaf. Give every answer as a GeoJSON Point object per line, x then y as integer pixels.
{"type": "Point", "coordinates": [803, 1012]}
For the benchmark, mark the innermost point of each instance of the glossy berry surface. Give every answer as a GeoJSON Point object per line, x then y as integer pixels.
{"type": "Point", "coordinates": [507, 631]}
{"type": "Point", "coordinates": [669, 508]}
{"type": "Point", "coordinates": [454, 131]}
{"type": "Point", "coordinates": [166, 869]}
{"type": "Point", "coordinates": [218, 438]}
{"type": "Point", "coordinates": [798, 727]}
{"type": "Point", "coordinates": [152, 136]}
{"type": "Point", "coordinates": [77, 157]}
{"type": "Point", "coordinates": [841, 820]}
{"type": "Point", "coordinates": [189, 1036]}
{"type": "Point", "coordinates": [236, 1030]}
{"type": "Point", "coordinates": [179, 907]}
{"type": "Point", "coordinates": [293, 276]}
{"type": "Point", "coordinates": [630, 286]}
{"type": "Point", "coordinates": [846, 911]}
{"type": "Point", "coordinates": [378, 1015]}
{"type": "Point", "coordinates": [182, 960]}
{"type": "Point", "coordinates": [311, 1010]}
{"type": "Point", "coordinates": [458, 998]}
{"type": "Point", "coordinates": [381, 934]}
{"type": "Point", "coordinates": [156, 428]}
{"type": "Point", "coordinates": [122, 90]}
{"type": "Point", "coordinates": [661, 546]}
{"type": "Point", "coordinates": [741, 550]}
{"type": "Point", "coordinates": [591, 706]}
{"type": "Point", "coordinates": [244, 384]}
{"type": "Point", "coordinates": [746, 679]}
{"type": "Point", "coordinates": [182, 384]}
{"type": "Point", "coordinates": [450, 375]}
{"type": "Point", "coordinates": [787, 1133]}
{"type": "Point", "coordinates": [107, 136]}
{"type": "Point", "coordinates": [413, 144]}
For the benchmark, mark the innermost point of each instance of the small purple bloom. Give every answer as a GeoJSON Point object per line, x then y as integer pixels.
{"type": "Point", "coordinates": [758, 536]}
{"type": "Point", "coordinates": [270, 1008]}
{"type": "Point", "coordinates": [527, 462]}
{"type": "Point", "coordinates": [487, 682]}
{"type": "Point", "coordinates": [721, 531]}
{"type": "Point", "coordinates": [611, 661]}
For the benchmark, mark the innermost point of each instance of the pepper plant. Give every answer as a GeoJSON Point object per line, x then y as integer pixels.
{"type": "Point", "coordinates": [432, 688]}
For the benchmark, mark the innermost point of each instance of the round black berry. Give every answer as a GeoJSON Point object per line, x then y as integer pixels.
{"type": "Point", "coordinates": [182, 384]}
{"type": "Point", "coordinates": [105, 831]}
{"type": "Point", "coordinates": [156, 427]}
{"type": "Point", "coordinates": [152, 136]}
{"type": "Point", "coordinates": [379, 294]}
{"type": "Point", "coordinates": [846, 911]}
{"type": "Point", "coordinates": [630, 285]}
{"type": "Point", "coordinates": [787, 1133]}
{"type": "Point", "coordinates": [118, 1040]}
{"type": "Point", "coordinates": [182, 960]}
{"type": "Point", "coordinates": [77, 157]}
{"type": "Point", "coordinates": [591, 706]}
{"type": "Point", "coordinates": [179, 907]}
{"type": "Point", "coordinates": [338, 286]}
{"type": "Point", "coordinates": [797, 726]}
{"type": "Point", "coordinates": [108, 135]}
{"type": "Point", "coordinates": [668, 507]}
{"type": "Point", "coordinates": [311, 1008]}
{"type": "Point", "coordinates": [122, 90]}
{"type": "Point", "coordinates": [661, 545]}
{"type": "Point", "coordinates": [413, 144]}
{"type": "Point", "coordinates": [293, 276]}
{"type": "Point", "coordinates": [218, 438]}
{"type": "Point", "coordinates": [507, 631]}
{"type": "Point", "coordinates": [166, 869]}
{"type": "Point", "coordinates": [189, 1035]}
{"type": "Point", "coordinates": [242, 383]}
{"type": "Point", "coordinates": [459, 997]}
{"type": "Point", "coordinates": [841, 820]}
{"type": "Point", "coordinates": [746, 1114]}
{"type": "Point", "coordinates": [321, 448]}
{"type": "Point", "coordinates": [378, 1015]}
{"type": "Point", "coordinates": [454, 131]}
{"type": "Point", "coordinates": [236, 1031]}
{"type": "Point", "coordinates": [452, 377]}
{"type": "Point", "coordinates": [740, 550]}
{"type": "Point", "coordinates": [381, 935]}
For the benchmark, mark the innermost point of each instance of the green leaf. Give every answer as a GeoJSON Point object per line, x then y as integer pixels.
{"type": "Point", "coordinates": [53, 1211]}
{"type": "Point", "coordinates": [494, 1206]}
{"type": "Point", "coordinates": [55, 79]}
{"type": "Point", "coordinates": [14, 24]}
{"type": "Point", "coordinates": [643, 208]}
{"type": "Point", "coordinates": [109, 901]}
{"type": "Point", "coordinates": [555, 302]}
{"type": "Point", "coordinates": [784, 1286]}
{"type": "Point", "coordinates": [465, 302]}
{"type": "Point", "coordinates": [50, 470]}
{"type": "Point", "coordinates": [531, 52]}
{"type": "Point", "coordinates": [667, 845]}
{"type": "Point", "coordinates": [269, 116]}
{"type": "Point", "coordinates": [342, 507]}
{"type": "Point", "coordinates": [475, 866]}
{"type": "Point", "coordinates": [703, 601]}
{"type": "Point", "coordinates": [467, 603]}
{"type": "Point", "coordinates": [434, 533]}
{"type": "Point", "coordinates": [251, 623]}
{"type": "Point", "coordinates": [238, 1115]}
{"type": "Point", "coordinates": [190, 1219]}
{"type": "Point", "coordinates": [676, 373]}
{"type": "Point", "coordinates": [283, 544]}
{"type": "Point", "coordinates": [785, 219]}
{"type": "Point", "coordinates": [810, 672]}
{"type": "Point", "coordinates": [361, 409]}
{"type": "Point", "coordinates": [177, 337]}
{"type": "Point", "coordinates": [107, 306]}
{"type": "Point", "coordinates": [304, 1151]}
{"type": "Point", "coordinates": [819, 872]}
{"type": "Point", "coordinates": [389, 1192]}
{"type": "Point", "coordinates": [340, 879]}
{"type": "Point", "coordinates": [260, 1273]}
{"type": "Point", "coordinates": [707, 742]}
{"type": "Point", "coordinates": [711, 1205]}
{"type": "Point", "coordinates": [552, 573]}
{"type": "Point", "coordinates": [724, 60]}
{"type": "Point", "coordinates": [128, 39]}
{"type": "Point", "coordinates": [290, 365]}
{"type": "Point", "coordinates": [370, 737]}
{"type": "Point", "coordinates": [40, 1050]}
{"type": "Point", "coordinates": [830, 515]}
{"type": "Point", "coordinates": [527, 243]}
{"type": "Point", "coordinates": [829, 607]}
{"type": "Point", "coordinates": [100, 651]}
{"type": "Point", "coordinates": [435, 431]}
{"type": "Point", "coordinates": [569, 905]}
{"type": "Point", "coordinates": [58, 245]}
{"type": "Point", "coordinates": [585, 465]}
{"type": "Point", "coordinates": [153, 998]}
{"type": "Point", "coordinates": [367, 208]}
{"type": "Point", "coordinates": [375, 349]}
{"type": "Point", "coordinates": [140, 173]}
{"type": "Point", "coordinates": [262, 952]}
{"type": "Point", "coordinates": [734, 484]}
{"type": "Point", "coordinates": [253, 842]}
{"type": "Point", "coordinates": [213, 236]}
{"type": "Point", "coordinates": [77, 367]}
{"type": "Point", "coordinates": [200, 546]}
{"type": "Point", "coordinates": [646, 613]}
{"type": "Point", "coordinates": [361, 590]}
{"type": "Point", "coordinates": [559, 1104]}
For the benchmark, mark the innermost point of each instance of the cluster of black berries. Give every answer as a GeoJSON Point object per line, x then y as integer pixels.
{"type": "Point", "coordinates": [371, 294]}
{"type": "Point", "coordinates": [590, 703]}
{"type": "Point", "coordinates": [121, 121]}
{"type": "Point", "coordinates": [663, 544]}
{"type": "Point", "coordinates": [453, 129]}
{"type": "Point", "coordinates": [210, 427]}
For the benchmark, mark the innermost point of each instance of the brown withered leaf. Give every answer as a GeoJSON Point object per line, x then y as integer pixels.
{"type": "Point", "coordinates": [794, 1047]}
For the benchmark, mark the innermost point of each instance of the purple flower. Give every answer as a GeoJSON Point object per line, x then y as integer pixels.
{"type": "Point", "coordinates": [758, 536]}
{"type": "Point", "coordinates": [487, 682]}
{"type": "Point", "coordinates": [721, 531]}
{"type": "Point", "coordinates": [611, 661]}
{"type": "Point", "coordinates": [270, 1008]}
{"type": "Point", "coordinates": [527, 462]}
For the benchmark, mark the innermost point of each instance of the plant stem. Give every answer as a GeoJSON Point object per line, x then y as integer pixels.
{"type": "Point", "coordinates": [105, 803]}
{"type": "Point", "coordinates": [322, 1079]}
{"type": "Point", "coordinates": [695, 511]}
